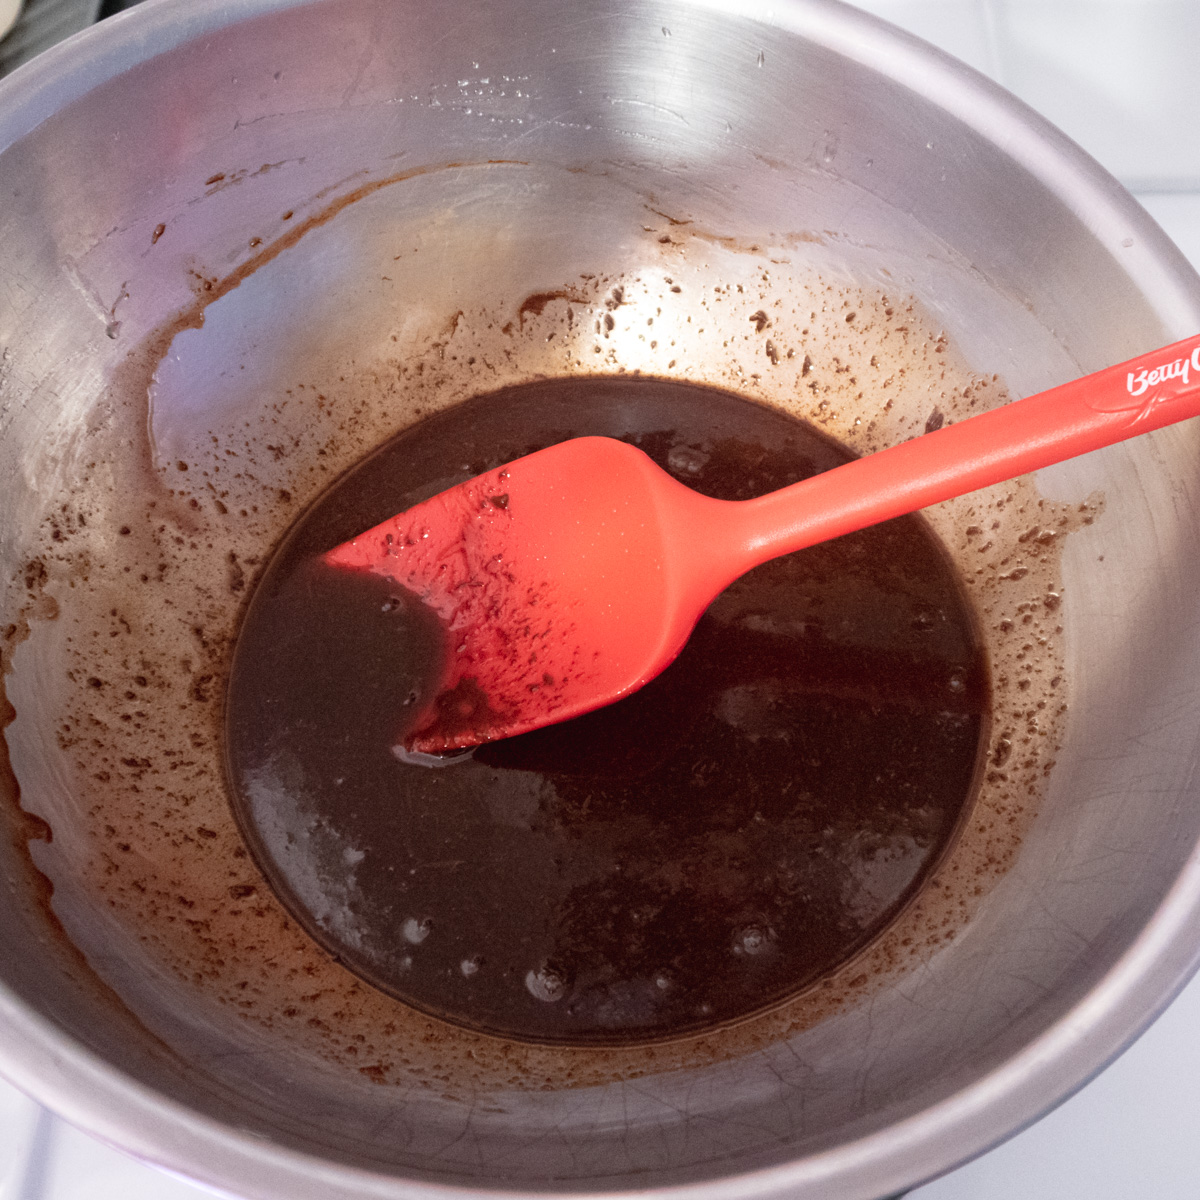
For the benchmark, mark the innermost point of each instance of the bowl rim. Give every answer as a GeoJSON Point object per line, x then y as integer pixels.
{"type": "Point", "coordinates": [94, 1095]}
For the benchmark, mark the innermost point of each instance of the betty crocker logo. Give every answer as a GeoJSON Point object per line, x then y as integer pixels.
{"type": "Point", "coordinates": [1141, 381]}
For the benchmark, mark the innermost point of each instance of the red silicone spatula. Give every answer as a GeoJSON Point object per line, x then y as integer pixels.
{"type": "Point", "coordinates": [570, 578]}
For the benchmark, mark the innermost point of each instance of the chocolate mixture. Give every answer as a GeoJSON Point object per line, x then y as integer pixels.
{"type": "Point", "coordinates": [692, 855]}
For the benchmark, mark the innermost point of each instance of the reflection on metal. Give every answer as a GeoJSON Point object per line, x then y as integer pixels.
{"type": "Point", "coordinates": [41, 24]}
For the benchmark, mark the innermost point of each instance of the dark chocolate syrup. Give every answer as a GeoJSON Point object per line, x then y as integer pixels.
{"type": "Point", "coordinates": [690, 856]}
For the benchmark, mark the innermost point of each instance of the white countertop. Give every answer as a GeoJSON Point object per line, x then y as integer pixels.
{"type": "Point", "coordinates": [1119, 77]}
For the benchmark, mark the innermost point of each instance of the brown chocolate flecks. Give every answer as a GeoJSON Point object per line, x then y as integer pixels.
{"type": "Point", "coordinates": [244, 957]}
{"type": "Point", "coordinates": [535, 304]}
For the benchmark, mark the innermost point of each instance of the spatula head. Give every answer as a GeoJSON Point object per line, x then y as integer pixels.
{"type": "Point", "coordinates": [554, 579]}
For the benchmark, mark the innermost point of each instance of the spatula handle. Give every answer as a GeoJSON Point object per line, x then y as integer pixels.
{"type": "Point", "coordinates": [1120, 402]}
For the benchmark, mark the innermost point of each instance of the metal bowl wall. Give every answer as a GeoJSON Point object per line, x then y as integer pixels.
{"type": "Point", "coordinates": [524, 142]}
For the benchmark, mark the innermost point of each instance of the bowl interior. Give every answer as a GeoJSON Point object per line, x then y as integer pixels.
{"type": "Point", "coordinates": [298, 227]}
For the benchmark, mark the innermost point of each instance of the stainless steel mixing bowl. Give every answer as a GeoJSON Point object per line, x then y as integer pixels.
{"type": "Point", "coordinates": [296, 183]}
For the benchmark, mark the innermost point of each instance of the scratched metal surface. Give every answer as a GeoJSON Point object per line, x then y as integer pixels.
{"type": "Point", "coordinates": [1014, 43]}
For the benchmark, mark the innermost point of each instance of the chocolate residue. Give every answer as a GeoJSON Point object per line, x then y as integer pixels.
{"type": "Point", "coordinates": [534, 305]}
{"type": "Point", "coordinates": [22, 829]}
{"type": "Point", "coordinates": [463, 708]}
{"type": "Point", "coordinates": [27, 827]}
{"type": "Point", "coordinates": [210, 291]}
{"type": "Point", "coordinates": [152, 614]}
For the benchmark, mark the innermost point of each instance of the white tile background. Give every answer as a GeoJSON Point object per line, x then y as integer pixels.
{"type": "Point", "coordinates": [1121, 78]}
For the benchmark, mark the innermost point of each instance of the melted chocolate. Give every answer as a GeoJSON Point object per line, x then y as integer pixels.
{"type": "Point", "coordinates": [704, 849]}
